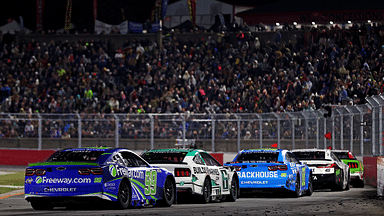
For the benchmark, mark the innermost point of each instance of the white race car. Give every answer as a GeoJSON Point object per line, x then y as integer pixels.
{"type": "Point", "coordinates": [197, 173]}
{"type": "Point", "coordinates": [327, 169]}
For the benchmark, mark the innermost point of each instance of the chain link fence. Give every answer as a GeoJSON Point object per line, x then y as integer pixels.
{"type": "Point", "coordinates": [357, 128]}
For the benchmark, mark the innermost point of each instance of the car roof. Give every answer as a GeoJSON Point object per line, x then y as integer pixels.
{"type": "Point", "coordinates": [175, 150]}
{"type": "Point", "coordinates": [339, 150]}
{"type": "Point", "coordinates": [311, 150]}
{"type": "Point", "coordinates": [261, 150]}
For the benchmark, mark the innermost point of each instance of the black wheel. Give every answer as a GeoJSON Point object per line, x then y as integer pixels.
{"type": "Point", "coordinates": [359, 184]}
{"type": "Point", "coordinates": [124, 196]}
{"type": "Point", "coordinates": [339, 186]}
{"type": "Point", "coordinates": [168, 193]}
{"type": "Point", "coordinates": [41, 205]}
{"type": "Point", "coordinates": [309, 192]}
{"type": "Point", "coordinates": [233, 191]}
{"type": "Point", "coordinates": [296, 193]}
{"type": "Point", "coordinates": [348, 182]}
{"type": "Point", "coordinates": [206, 197]}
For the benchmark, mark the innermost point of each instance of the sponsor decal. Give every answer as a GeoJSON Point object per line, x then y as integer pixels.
{"type": "Point", "coordinates": [181, 183]}
{"type": "Point", "coordinates": [97, 180]}
{"type": "Point", "coordinates": [338, 172]}
{"type": "Point", "coordinates": [303, 176]}
{"type": "Point", "coordinates": [283, 174]}
{"type": "Point", "coordinates": [29, 181]}
{"type": "Point", "coordinates": [314, 177]}
{"type": "Point", "coordinates": [109, 184]}
{"type": "Point", "coordinates": [257, 174]}
{"type": "Point", "coordinates": [254, 182]}
{"type": "Point", "coordinates": [47, 189]}
{"type": "Point", "coordinates": [114, 170]}
{"type": "Point", "coordinates": [201, 170]}
{"type": "Point", "coordinates": [46, 180]}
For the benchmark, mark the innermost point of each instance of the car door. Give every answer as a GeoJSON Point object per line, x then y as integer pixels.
{"type": "Point", "coordinates": [143, 177]}
{"type": "Point", "coordinates": [218, 174]}
{"type": "Point", "coordinates": [299, 167]}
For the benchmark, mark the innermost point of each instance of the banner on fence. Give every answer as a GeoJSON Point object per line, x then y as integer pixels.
{"type": "Point", "coordinates": [107, 28]}
{"type": "Point", "coordinates": [135, 27]}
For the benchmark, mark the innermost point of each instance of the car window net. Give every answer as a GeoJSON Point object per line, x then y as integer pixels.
{"type": "Point", "coordinates": [258, 157]}
{"type": "Point", "coordinates": [165, 157]}
{"type": "Point", "coordinates": [75, 156]}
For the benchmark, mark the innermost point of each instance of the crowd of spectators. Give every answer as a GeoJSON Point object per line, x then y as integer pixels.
{"type": "Point", "coordinates": [210, 75]}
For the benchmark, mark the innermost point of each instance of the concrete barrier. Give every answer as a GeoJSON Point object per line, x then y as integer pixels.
{"type": "Point", "coordinates": [370, 170]}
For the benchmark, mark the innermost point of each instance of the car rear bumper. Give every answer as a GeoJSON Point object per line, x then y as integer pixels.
{"type": "Point", "coordinates": [323, 179]}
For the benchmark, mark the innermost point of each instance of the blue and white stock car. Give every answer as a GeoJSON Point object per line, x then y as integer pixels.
{"type": "Point", "coordinates": [90, 174]}
{"type": "Point", "coordinates": [269, 170]}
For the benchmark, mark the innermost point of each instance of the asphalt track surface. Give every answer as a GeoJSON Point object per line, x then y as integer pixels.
{"type": "Point", "coordinates": [356, 201]}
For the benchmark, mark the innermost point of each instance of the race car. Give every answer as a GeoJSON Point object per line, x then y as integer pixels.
{"type": "Point", "coordinates": [328, 170]}
{"type": "Point", "coordinates": [197, 173]}
{"type": "Point", "coordinates": [271, 170]}
{"type": "Point", "coordinates": [356, 167]}
{"type": "Point", "coordinates": [84, 175]}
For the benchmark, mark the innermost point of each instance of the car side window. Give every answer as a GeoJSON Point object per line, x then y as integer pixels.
{"type": "Point", "coordinates": [117, 158]}
{"type": "Point", "coordinates": [209, 160]}
{"type": "Point", "coordinates": [334, 157]}
{"type": "Point", "coordinates": [292, 158]}
{"type": "Point", "coordinates": [197, 159]}
{"type": "Point", "coordinates": [132, 160]}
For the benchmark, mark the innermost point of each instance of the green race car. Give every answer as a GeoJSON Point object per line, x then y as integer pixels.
{"type": "Point", "coordinates": [355, 166]}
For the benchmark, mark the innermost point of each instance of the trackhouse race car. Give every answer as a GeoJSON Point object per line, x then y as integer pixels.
{"type": "Point", "coordinates": [328, 170]}
{"type": "Point", "coordinates": [82, 175]}
{"type": "Point", "coordinates": [197, 173]}
{"type": "Point", "coordinates": [269, 170]}
{"type": "Point", "coordinates": [356, 167]}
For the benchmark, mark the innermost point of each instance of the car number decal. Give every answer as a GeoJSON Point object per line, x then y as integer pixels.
{"type": "Point", "coordinates": [150, 182]}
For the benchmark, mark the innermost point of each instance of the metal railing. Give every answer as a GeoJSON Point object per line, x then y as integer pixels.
{"type": "Point", "coordinates": [357, 128]}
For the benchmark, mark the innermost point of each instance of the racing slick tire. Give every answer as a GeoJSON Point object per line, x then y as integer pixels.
{"type": "Point", "coordinates": [359, 184]}
{"type": "Point", "coordinates": [124, 195]}
{"type": "Point", "coordinates": [206, 197]}
{"type": "Point", "coordinates": [309, 192]}
{"type": "Point", "coordinates": [348, 182]}
{"type": "Point", "coordinates": [41, 205]}
{"type": "Point", "coordinates": [339, 187]}
{"type": "Point", "coordinates": [296, 193]}
{"type": "Point", "coordinates": [169, 191]}
{"type": "Point", "coordinates": [233, 191]}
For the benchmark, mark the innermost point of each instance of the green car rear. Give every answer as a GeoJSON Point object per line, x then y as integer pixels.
{"type": "Point", "coordinates": [356, 167]}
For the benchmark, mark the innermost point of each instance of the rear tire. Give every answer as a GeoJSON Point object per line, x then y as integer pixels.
{"type": "Point", "coordinates": [206, 197]}
{"type": "Point", "coordinates": [309, 192]}
{"type": "Point", "coordinates": [359, 184]}
{"type": "Point", "coordinates": [125, 194]}
{"type": "Point", "coordinates": [41, 205]}
{"type": "Point", "coordinates": [296, 193]}
{"type": "Point", "coordinates": [233, 191]}
{"type": "Point", "coordinates": [168, 193]}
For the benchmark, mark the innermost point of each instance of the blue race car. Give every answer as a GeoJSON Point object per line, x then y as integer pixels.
{"type": "Point", "coordinates": [81, 175]}
{"type": "Point", "coordinates": [266, 170]}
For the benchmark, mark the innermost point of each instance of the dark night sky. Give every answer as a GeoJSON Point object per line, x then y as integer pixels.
{"type": "Point", "coordinates": [109, 11]}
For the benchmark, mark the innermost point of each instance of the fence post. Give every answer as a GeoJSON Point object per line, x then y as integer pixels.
{"type": "Point", "coordinates": [317, 133]}
{"type": "Point", "coordinates": [183, 120]}
{"type": "Point", "coordinates": [333, 133]}
{"type": "Point", "coordinates": [341, 131]}
{"type": "Point", "coordinates": [278, 129]}
{"type": "Point", "coordinates": [238, 132]}
{"type": "Point", "coordinates": [306, 130]}
{"type": "Point", "coordinates": [325, 131]}
{"type": "Point", "coordinates": [79, 130]}
{"type": "Point", "coordinates": [116, 131]}
{"type": "Point", "coordinates": [261, 132]}
{"type": "Point", "coordinates": [40, 145]}
{"type": "Point", "coordinates": [213, 134]}
{"type": "Point", "coordinates": [361, 131]}
{"type": "Point", "coordinates": [152, 129]}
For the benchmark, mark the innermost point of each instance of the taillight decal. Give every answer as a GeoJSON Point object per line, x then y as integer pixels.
{"type": "Point", "coordinates": [97, 171]}
{"type": "Point", "coordinates": [182, 172]}
{"type": "Point", "coordinates": [84, 171]}
{"type": "Point", "coordinates": [40, 172]}
{"type": "Point", "coordinates": [30, 172]}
